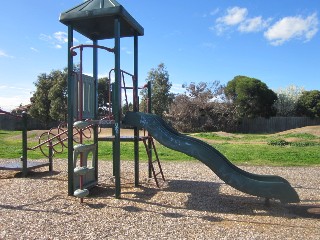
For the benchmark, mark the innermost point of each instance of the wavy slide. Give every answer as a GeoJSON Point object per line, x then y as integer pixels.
{"type": "Point", "coordinates": [267, 186]}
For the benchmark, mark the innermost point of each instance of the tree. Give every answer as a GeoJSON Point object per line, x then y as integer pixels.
{"type": "Point", "coordinates": [49, 101]}
{"type": "Point", "coordinates": [160, 95]}
{"type": "Point", "coordinates": [40, 102]}
{"type": "Point", "coordinates": [103, 95]}
{"type": "Point", "coordinates": [251, 96]}
{"type": "Point", "coordinates": [286, 103]}
{"type": "Point", "coordinates": [58, 95]}
{"type": "Point", "coordinates": [103, 92]}
{"type": "Point", "coordinates": [202, 108]}
{"type": "Point", "coordinates": [309, 104]}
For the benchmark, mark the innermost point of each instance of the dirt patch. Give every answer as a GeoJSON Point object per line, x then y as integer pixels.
{"type": "Point", "coordinates": [314, 130]}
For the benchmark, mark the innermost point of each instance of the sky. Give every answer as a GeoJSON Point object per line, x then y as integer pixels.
{"type": "Point", "coordinates": [274, 41]}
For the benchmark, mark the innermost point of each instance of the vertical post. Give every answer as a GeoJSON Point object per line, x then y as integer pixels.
{"type": "Point", "coordinates": [50, 156]}
{"type": "Point", "coordinates": [95, 128]}
{"type": "Point", "coordinates": [116, 109]}
{"type": "Point", "coordinates": [149, 107]}
{"type": "Point", "coordinates": [70, 113]}
{"type": "Point", "coordinates": [24, 144]}
{"type": "Point", "coordinates": [136, 109]}
{"type": "Point", "coordinates": [149, 98]}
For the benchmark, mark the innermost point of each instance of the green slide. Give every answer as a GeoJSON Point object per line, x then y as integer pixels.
{"type": "Point", "coordinates": [267, 186]}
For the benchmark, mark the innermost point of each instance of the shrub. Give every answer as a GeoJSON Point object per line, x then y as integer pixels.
{"type": "Point", "coordinates": [278, 142]}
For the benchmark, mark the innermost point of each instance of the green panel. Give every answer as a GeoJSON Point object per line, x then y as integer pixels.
{"type": "Point", "coordinates": [88, 86]}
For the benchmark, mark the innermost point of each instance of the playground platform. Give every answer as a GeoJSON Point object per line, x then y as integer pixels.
{"type": "Point", "coordinates": [16, 165]}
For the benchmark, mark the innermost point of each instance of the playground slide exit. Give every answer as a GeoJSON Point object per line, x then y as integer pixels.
{"type": "Point", "coordinates": [267, 186]}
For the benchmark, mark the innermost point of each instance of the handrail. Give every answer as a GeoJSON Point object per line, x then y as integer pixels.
{"type": "Point", "coordinates": [81, 46]}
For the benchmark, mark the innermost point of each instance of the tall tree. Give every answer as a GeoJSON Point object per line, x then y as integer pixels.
{"type": "Point", "coordinates": [309, 104]}
{"type": "Point", "coordinates": [49, 101]}
{"type": "Point", "coordinates": [252, 97]}
{"type": "Point", "coordinates": [161, 96]}
{"type": "Point", "coordinates": [286, 103]}
{"type": "Point", "coordinates": [58, 95]}
{"type": "Point", "coordinates": [40, 102]}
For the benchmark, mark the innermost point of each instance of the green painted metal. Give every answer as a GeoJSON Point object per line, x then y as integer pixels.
{"type": "Point", "coordinates": [136, 109]}
{"type": "Point", "coordinates": [271, 187]}
{"type": "Point", "coordinates": [50, 156]}
{"type": "Point", "coordinates": [149, 107]}
{"type": "Point", "coordinates": [24, 144]}
{"type": "Point", "coordinates": [95, 128]}
{"type": "Point", "coordinates": [116, 108]}
{"type": "Point", "coordinates": [70, 112]}
{"type": "Point", "coordinates": [94, 19]}
{"type": "Point", "coordinates": [97, 20]}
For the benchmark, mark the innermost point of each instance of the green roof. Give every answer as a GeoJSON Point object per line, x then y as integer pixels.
{"type": "Point", "coordinates": [95, 20]}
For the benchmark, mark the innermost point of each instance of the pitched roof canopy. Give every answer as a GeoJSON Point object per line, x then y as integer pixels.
{"type": "Point", "coordinates": [95, 20]}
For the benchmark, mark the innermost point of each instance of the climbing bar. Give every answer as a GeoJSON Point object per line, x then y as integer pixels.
{"type": "Point", "coordinates": [83, 124]}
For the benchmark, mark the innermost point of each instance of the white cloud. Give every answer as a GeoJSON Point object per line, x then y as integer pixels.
{"type": "Point", "coordinates": [3, 54]}
{"type": "Point", "coordinates": [61, 37]}
{"type": "Point", "coordinates": [283, 30]}
{"type": "Point", "coordinates": [11, 97]}
{"type": "Point", "coordinates": [57, 39]}
{"type": "Point", "coordinates": [34, 49]}
{"type": "Point", "coordinates": [234, 16]}
{"type": "Point", "coordinates": [125, 49]}
{"type": "Point", "coordinates": [214, 12]}
{"type": "Point", "coordinates": [255, 24]}
{"type": "Point", "coordinates": [292, 27]}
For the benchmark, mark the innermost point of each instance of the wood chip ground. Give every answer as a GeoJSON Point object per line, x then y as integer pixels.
{"type": "Point", "coordinates": [193, 204]}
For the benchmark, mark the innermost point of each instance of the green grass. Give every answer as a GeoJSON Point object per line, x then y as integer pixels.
{"type": "Point", "coordinates": [250, 149]}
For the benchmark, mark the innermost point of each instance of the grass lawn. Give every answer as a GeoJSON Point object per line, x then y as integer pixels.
{"type": "Point", "coordinates": [288, 149]}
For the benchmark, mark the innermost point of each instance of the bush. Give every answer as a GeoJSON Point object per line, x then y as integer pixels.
{"type": "Point", "coordinates": [278, 142]}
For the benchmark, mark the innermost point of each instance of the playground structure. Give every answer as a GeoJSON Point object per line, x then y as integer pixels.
{"type": "Point", "coordinates": [24, 165]}
{"type": "Point", "coordinates": [107, 19]}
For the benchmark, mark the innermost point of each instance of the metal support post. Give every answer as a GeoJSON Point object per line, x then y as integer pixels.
{"type": "Point", "coordinates": [95, 128]}
{"type": "Point", "coordinates": [24, 157]}
{"type": "Point", "coordinates": [50, 156]}
{"type": "Point", "coordinates": [149, 139]}
{"type": "Point", "coordinates": [70, 113]}
{"type": "Point", "coordinates": [136, 109]}
{"type": "Point", "coordinates": [116, 108]}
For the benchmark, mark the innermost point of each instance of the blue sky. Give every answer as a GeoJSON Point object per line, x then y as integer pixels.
{"type": "Point", "coordinates": [274, 41]}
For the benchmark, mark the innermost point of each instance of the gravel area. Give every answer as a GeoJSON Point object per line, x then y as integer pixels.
{"type": "Point", "coordinates": [192, 204]}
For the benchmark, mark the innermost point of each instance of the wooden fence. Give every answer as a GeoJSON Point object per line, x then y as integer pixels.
{"type": "Point", "coordinates": [275, 124]}
{"type": "Point", "coordinates": [8, 122]}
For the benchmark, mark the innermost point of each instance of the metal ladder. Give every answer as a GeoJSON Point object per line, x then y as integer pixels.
{"type": "Point", "coordinates": [151, 162]}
